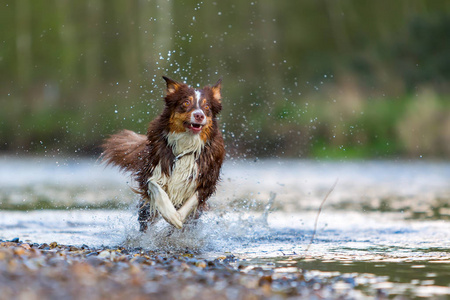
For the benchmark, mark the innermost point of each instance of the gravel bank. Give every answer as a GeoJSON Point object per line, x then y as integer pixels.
{"type": "Point", "coordinates": [52, 271]}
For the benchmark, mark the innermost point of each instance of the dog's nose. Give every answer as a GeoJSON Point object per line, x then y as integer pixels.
{"type": "Point", "coordinates": [199, 116]}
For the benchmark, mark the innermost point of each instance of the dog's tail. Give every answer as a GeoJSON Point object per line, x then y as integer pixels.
{"type": "Point", "coordinates": [125, 149]}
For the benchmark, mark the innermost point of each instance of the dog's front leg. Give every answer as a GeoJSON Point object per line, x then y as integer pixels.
{"type": "Point", "coordinates": [188, 207]}
{"type": "Point", "coordinates": [164, 205]}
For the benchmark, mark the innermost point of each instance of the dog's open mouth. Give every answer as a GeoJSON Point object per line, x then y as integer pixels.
{"type": "Point", "coordinates": [195, 127]}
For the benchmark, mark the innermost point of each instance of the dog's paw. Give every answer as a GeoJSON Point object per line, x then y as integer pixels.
{"type": "Point", "coordinates": [174, 219]}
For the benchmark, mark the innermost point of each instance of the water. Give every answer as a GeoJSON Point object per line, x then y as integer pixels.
{"type": "Point", "coordinates": [386, 224]}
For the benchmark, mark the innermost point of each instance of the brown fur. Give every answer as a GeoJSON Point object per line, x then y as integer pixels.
{"type": "Point", "coordinates": [139, 154]}
{"type": "Point", "coordinates": [125, 149]}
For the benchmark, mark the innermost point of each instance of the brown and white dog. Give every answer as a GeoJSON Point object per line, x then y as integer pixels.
{"type": "Point", "coordinates": [177, 164]}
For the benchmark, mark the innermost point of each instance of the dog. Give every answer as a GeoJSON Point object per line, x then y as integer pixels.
{"type": "Point", "coordinates": [177, 164]}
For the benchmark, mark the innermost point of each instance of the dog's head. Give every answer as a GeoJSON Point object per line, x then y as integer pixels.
{"type": "Point", "coordinates": [192, 110]}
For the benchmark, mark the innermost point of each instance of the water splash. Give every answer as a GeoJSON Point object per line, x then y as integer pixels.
{"type": "Point", "coordinates": [212, 232]}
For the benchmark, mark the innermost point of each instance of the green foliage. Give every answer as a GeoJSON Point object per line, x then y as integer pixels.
{"type": "Point", "coordinates": [301, 78]}
{"type": "Point", "coordinates": [421, 56]}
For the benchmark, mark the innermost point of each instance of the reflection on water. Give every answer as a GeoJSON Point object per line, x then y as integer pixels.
{"type": "Point", "coordinates": [380, 278]}
{"type": "Point", "coordinates": [385, 224]}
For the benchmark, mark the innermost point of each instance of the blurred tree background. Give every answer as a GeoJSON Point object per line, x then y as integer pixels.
{"type": "Point", "coordinates": [316, 78]}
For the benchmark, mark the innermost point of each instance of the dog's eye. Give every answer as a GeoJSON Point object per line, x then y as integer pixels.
{"type": "Point", "coordinates": [186, 103]}
{"type": "Point", "coordinates": [207, 107]}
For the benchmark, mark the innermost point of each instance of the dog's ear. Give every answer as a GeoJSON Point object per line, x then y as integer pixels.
{"type": "Point", "coordinates": [172, 85]}
{"type": "Point", "coordinates": [216, 90]}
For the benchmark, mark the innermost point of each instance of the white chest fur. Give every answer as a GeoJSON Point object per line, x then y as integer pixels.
{"type": "Point", "coordinates": [182, 182]}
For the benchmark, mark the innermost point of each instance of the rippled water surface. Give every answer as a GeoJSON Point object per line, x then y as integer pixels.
{"type": "Point", "coordinates": [385, 226]}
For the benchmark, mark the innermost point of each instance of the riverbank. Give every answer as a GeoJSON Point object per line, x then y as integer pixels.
{"type": "Point", "coordinates": [52, 271]}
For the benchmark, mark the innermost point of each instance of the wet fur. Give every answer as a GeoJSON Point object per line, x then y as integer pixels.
{"type": "Point", "coordinates": [153, 157]}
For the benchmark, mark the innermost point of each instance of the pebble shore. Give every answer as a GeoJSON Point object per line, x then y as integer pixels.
{"type": "Point", "coordinates": [53, 271]}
